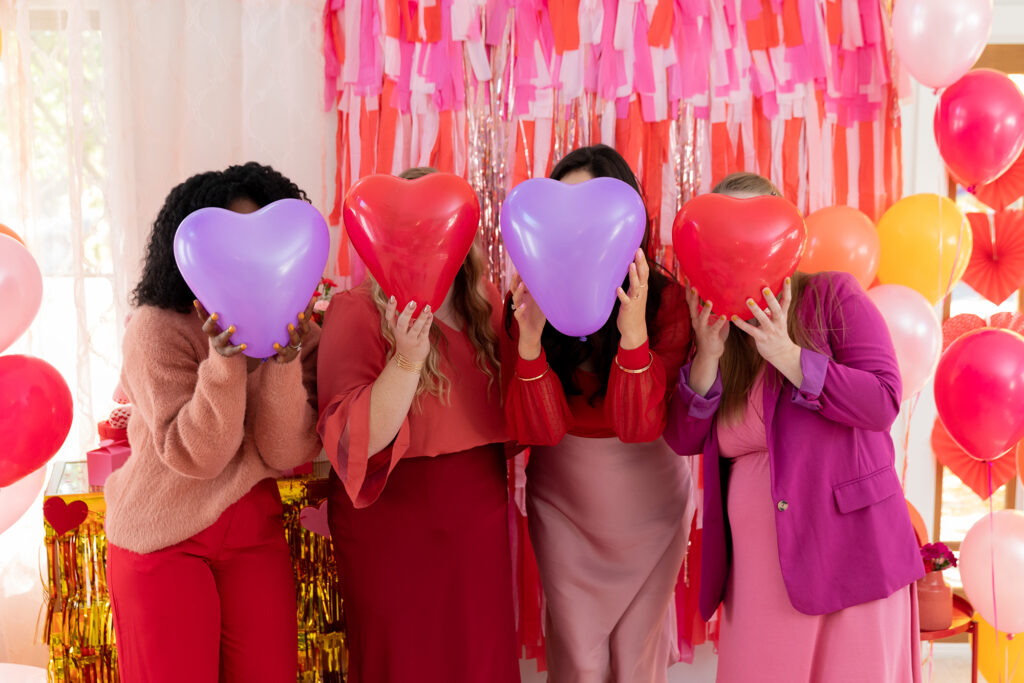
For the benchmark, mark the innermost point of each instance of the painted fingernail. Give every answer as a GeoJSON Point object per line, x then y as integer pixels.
{"type": "Point", "coordinates": [214, 317]}
{"type": "Point", "coordinates": [709, 304]}
{"type": "Point", "coordinates": [735, 318]}
{"type": "Point", "coordinates": [789, 281]}
{"type": "Point", "coordinates": [392, 300]}
{"type": "Point", "coordinates": [766, 291]}
{"type": "Point", "coordinates": [426, 309]}
{"type": "Point", "coordinates": [243, 347]}
{"type": "Point", "coordinates": [750, 302]}
{"type": "Point", "coordinates": [195, 302]}
{"type": "Point", "coordinates": [722, 318]}
{"type": "Point", "coordinates": [302, 316]}
{"type": "Point", "coordinates": [291, 328]}
{"type": "Point", "coordinates": [277, 347]}
{"type": "Point", "coordinates": [231, 328]}
{"type": "Point", "coordinates": [412, 304]}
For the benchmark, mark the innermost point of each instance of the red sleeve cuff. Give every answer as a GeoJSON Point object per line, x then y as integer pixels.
{"type": "Point", "coordinates": [532, 368]}
{"type": "Point", "coordinates": [635, 359]}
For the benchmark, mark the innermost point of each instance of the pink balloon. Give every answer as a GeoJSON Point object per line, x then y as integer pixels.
{"type": "Point", "coordinates": [979, 126]}
{"type": "Point", "coordinates": [1001, 537]}
{"type": "Point", "coordinates": [961, 27]}
{"type": "Point", "coordinates": [16, 499]}
{"type": "Point", "coordinates": [979, 391]}
{"type": "Point", "coordinates": [915, 330]}
{"type": "Point", "coordinates": [21, 290]}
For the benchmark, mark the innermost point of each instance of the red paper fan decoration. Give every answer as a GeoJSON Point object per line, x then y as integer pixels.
{"type": "Point", "coordinates": [972, 472]}
{"type": "Point", "coordinates": [996, 268]}
{"type": "Point", "coordinates": [958, 326]}
{"type": "Point", "coordinates": [1004, 190]}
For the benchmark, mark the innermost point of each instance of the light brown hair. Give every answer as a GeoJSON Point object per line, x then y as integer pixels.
{"type": "Point", "coordinates": [741, 362]}
{"type": "Point", "coordinates": [473, 310]}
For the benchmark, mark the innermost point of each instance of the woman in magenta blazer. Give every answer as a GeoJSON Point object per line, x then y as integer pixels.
{"type": "Point", "coordinates": [808, 545]}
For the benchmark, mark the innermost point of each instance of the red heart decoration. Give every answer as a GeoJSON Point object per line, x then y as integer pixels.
{"type": "Point", "coordinates": [64, 517]}
{"type": "Point", "coordinates": [1004, 190]}
{"type": "Point", "coordinates": [730, 249]}
{"type": "Point", "coordinates": [971, 471]}
{"type": "Point", "coordinates": [959, 325]}
{"type": "Point", "coordinates": [996, 268]}
{"type": "Point", "coordinates": [315, 519]}
{"type": "Point", "coordinates": [413, 235]}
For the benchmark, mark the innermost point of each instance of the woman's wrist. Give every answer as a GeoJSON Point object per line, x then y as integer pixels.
{"type": "Point", "coordinates": [529, 350]}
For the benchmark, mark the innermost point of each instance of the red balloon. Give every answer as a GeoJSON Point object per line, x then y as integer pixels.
{"type": "Point", "coordinates": [35, 415]}
{"type": "Point", "coordinates": [842, 238]}
{"type": "Point", "coordinates": [731, 248]}
{"type": "Point", "coordinates": [979, 126]}
{"type": "Point", "coordinates": [979, 391]}
{"type": "Point", "coordinates": [413, 235]}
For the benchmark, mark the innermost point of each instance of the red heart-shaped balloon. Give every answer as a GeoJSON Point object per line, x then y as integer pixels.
{"type": "Point", "coordinates": [64, 517]}
{"type": "Point", "coordinates": [413, 235]}
{"type": "Point", "coordinates": [731, 249]}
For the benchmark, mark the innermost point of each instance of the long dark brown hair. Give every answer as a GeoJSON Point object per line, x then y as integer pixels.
{"type": "Point", "coordinates": [565, 354]}
{"type": "Point", "coordinates": [741, 362]}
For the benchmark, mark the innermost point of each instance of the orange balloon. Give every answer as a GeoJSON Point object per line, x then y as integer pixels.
{"type": "Point", "coordinates": [842, 238]}
{"type": "Point", "coordinates": [4, 230]}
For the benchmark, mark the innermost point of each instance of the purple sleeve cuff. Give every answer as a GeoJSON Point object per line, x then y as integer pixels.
{"type": "Point", "coordinates": [700, 407]}
{"type": "Point", "coordinates": [814, 367]}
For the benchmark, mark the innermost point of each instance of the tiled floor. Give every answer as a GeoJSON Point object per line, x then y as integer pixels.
{"type": "Point", "coordinates": [951, 664]}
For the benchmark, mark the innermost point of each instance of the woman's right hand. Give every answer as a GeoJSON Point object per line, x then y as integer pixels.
{"type": "Point", "coordinates": [219, 340]}
{"type": "Point", "coordinates": [530, 318]}
{"type": "Point", "coordinates": [710, 335]}
{"type": "Point", "coordinates": [412, 337]}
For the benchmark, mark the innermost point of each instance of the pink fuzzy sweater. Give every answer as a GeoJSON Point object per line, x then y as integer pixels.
{"type": "Point", "coordinates": [203, 431]}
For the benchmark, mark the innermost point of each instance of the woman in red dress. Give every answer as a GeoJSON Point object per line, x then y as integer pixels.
{"type": "Point", "coordinates": [608, 502]}
{"type": "Point", "coordinates": [411, 418]}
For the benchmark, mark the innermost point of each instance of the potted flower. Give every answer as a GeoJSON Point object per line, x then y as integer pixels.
{"type": "Point", "coordinates": [934, 596]}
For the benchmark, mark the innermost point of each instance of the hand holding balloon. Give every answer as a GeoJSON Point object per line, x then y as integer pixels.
{"type": "Point", "coordinates": [220, 340]}
{"type": "Point", "coordinates": [412, 337]}
{"type": "Point", "coordinates": [710, 339]}
{"type": "Point", "coordinates": [632, 320]}
{"type": "Point", "coordinates": [530, 318]}
{"type": "Point", "coordinates": [771, 333]}
{"type": "Point", "coordinates": [286, 354]}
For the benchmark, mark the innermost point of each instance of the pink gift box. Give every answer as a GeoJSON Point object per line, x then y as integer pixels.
{"type": "Point", "coordinates": [105, 459]}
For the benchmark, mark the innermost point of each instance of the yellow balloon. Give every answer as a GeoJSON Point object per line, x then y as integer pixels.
{"type": "Point", "coordinates": [926, 244]}
{"type": "Point", "coordinates": [999, 659]}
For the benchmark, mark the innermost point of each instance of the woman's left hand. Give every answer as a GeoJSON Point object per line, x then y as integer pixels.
{"type": "Point", "coordinates": [286, 354]}
{"type": "Point", "coordinates": [632, 319]}
{"type": "Point", "coordinates": [771, 333]}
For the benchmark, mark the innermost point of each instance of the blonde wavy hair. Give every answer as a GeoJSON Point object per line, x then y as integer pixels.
{"type": "Point", "coordinates": [473, 310]}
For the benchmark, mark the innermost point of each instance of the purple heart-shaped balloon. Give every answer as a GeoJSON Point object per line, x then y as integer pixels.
{"type": "Point", "coordinates": [257, 271]}
{"type": "Point", "coordinates": [572, 245]}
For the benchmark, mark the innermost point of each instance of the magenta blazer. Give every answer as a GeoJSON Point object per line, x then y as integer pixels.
{"type": "Point", "coordinates": [844, 533]}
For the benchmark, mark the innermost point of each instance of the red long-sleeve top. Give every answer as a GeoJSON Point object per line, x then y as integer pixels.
{"type": "Point", "coordinates": [538, 413]}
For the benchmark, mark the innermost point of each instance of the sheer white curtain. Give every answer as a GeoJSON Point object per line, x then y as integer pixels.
{"type": "Point", "coordinates": [106, 105]}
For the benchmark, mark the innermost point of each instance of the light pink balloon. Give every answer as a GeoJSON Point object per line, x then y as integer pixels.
{"type": "Point", "coordinates": [16, 499]}
{"type": "Point", "coordinates": [21, 290]}
{"type": "Point", "coordinates": [1003, 538]}
{"type": "Point", "coordinates": [915, 330]}
{"type": "Point", "coordinates": [940, 40]}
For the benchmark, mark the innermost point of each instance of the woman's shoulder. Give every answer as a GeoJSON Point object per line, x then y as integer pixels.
{"type": "Point", "coordinates": [150, 322]}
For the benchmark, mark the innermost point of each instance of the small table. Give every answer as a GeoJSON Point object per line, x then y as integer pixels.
{"type": "Point", "coordinates": [963, 622]}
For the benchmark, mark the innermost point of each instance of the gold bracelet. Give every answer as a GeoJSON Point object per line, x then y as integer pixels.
{"type": "Point", "coordinates": [404, 363]}
{"type": "Point", "coordinates": [636, 372]}
{"type": "Point", "coordinates": [534, 379]}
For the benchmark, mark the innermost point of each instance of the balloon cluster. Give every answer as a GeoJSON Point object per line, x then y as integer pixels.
{"type": "Point", "coordinates": [35, 402]}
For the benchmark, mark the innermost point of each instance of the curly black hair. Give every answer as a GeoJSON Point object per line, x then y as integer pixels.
{"type": "Point", "coordinates": [565, 354]}
{"type": "Point", "coordinates": [161, 284]}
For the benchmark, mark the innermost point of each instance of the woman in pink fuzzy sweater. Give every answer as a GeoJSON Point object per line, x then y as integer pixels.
{"type": "Point", "coordinates": [199, 571]}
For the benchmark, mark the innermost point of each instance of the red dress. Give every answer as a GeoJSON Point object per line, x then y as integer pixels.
{"type": "Point", "coordinates": [608, 504]}
{"type": "Point", "coordinates": [420, 529]}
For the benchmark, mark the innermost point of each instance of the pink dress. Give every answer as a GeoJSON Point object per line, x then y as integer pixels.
{"type": "Point", "coordinates": [763, 638]}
